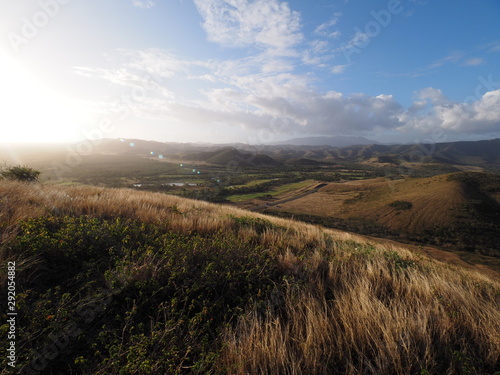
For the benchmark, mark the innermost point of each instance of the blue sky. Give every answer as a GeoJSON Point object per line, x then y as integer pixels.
{"type": "Point", "coordinates": [252, 71]}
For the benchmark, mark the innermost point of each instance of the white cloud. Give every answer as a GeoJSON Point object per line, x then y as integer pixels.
{"type": "Point", "coordinates": [256, 104]}
{"type": "Point", "coordinates": [142, 72]}
{"type": "Point", "coordinates": [474, 61]}
{"type": "Point", "coordinates": [144, 4]}
{"type": "Point", "coordinates": [317, 54]}
{"type": "Point", "coordinates": [477, 117]}
{"type": "Point", "coordinates": [335, 34]}
{"type": "Point", "coordinates": [325, 28]}
{"type": "Point", "coordinates": [156, 62]}
{"type": "Point", "coordinates": [318, 46]}
{"type": "Point", "coordinates": [453, 57]}
{"type": "Point", "coordinates": [268, 24]}
{"type": "Point", "coordinates": [358, 40]}
{"type": "Point", "coordinates": [291, 99]}
{"type": "Point", "coordinates": [339, 69]}
{"type": "Point", "coordinates": [435, 96]}
{"type": "Point", "coordinates": [495, 48]}
{"type": "Point", "coordinates": [242, 94]}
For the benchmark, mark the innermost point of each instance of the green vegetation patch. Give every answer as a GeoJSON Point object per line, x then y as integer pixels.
{"type": "Point", "coordinates": [125, 297]}
{"type": "Point", "coordinates": [276, 191]}
{"type": "Point", "coordinates": [250, 183]}
{"type": "Point", "coordinates": [19, 173]}
{"type": "Point", "coordinates": [401, 205]}
{"type": "Point", "coordinates": [399, 262]}
{"type": "Point", "coordinates": [258, 224]}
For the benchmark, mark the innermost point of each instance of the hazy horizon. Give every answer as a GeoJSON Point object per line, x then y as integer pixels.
{"type": "Point", "coordinates": [96, 142]}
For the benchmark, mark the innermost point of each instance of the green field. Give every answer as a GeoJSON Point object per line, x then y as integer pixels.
{"type": "Point", "coordinates": [273, 192]}
{"type": "Point", "coordinates": [250, 183]}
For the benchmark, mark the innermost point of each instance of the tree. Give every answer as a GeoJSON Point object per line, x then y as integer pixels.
{"type": "Point", "coordinates": [19, 173]}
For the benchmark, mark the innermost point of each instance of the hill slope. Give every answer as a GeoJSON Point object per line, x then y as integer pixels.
{"type": "Point", "coordinates": [232, 155]}
{"type": "Point", "coordinates": [461, 211]}
{"type": "Point", "coordinates": [115, 281]}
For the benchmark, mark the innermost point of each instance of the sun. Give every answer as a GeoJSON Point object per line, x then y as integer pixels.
{"type": "Point", "coordinates": [31, 111]}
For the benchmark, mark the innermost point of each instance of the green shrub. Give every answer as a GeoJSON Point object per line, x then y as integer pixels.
{"type": "Point", "coordinates": [258, 224]}
{"type": "Point", "coordinates": [133, 298]}
{"type": "Point", "coordinates": [401, 205]}
{"type": "Point", "coordinates": [20, 173]}
{"type": "Point", "coordinates": [397, 261]}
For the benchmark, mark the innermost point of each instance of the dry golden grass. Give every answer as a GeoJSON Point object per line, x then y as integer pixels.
{"type": "Point", "coordinates": [352, 306]}
{"type": "Point", "coordinates": [434, 201]}
{"type": "Point", "coordinates": [443, 256]}
{"type": "Point", "coordinates": [360, 315]}
{"type": "Point", "coordinates": [19, 201]}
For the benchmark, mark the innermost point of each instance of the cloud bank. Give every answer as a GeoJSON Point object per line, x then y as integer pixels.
{"type": "Point", "coordinates": [241, 96]}
{"type": "Point", "coordinates": [263, 88]}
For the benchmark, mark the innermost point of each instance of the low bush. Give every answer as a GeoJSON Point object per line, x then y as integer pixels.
{"type": "Point", "coordinates": [20, 173]}
{"type": "Point", "coordinates": [401, 205]}
{"type": "Point", "coordinates": [136, 298]}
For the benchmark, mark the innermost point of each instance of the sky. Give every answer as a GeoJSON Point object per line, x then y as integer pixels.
{"type": "Point", "coordinates": [251, 71]}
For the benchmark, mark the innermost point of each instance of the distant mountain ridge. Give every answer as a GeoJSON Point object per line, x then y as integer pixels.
{"type": "Point", "coordinates": [459, 153]}
{"type": "Point", "coordinates": [230, 154]}
{"type": "Point", "coordinates": [463, 154]}
{"type": "Point", "coordinates": [336, 141]}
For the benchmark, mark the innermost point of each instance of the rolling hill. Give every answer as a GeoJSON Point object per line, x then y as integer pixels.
{"type": "Point", "coordinates": [231, 155]}
{"type": "Point", "coordinates": [459, 211]}
{"type": "Point", "coordinates": [115, 281]}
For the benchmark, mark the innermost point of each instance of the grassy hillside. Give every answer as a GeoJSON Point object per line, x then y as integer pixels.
{"type": "Point", "coordinates": [114, 281]}
{"type": "Point", "coordinates": [458, 211]}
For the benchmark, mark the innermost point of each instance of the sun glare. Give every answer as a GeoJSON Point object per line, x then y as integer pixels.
{"type": "Point", "coordinates": [31, 111]}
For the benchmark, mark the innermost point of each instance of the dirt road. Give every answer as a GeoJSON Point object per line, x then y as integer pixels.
{"type": "Point", "coordinates": [270, 204]}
